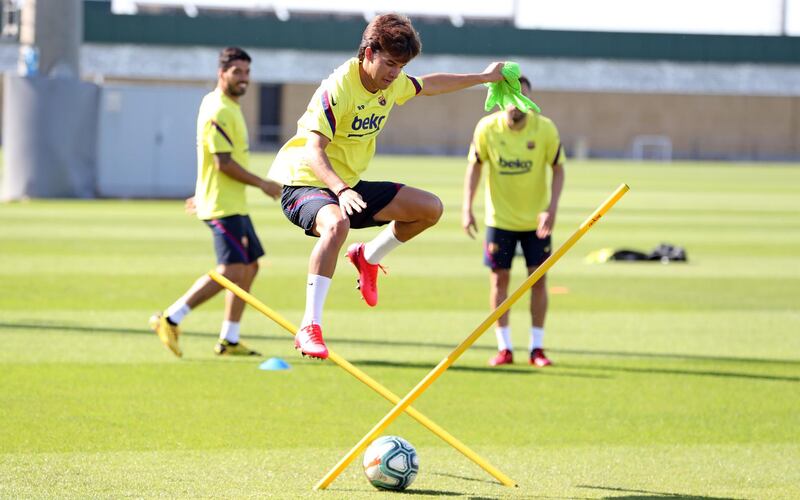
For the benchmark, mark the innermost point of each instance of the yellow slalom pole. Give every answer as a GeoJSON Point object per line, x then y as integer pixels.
{"type": "Point", "coordinates": [458, 351]}
{"type": "Point", "coordinates": [366, 379]}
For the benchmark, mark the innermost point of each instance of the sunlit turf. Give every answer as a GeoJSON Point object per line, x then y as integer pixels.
{"type": "Point", "coordinates": [671, 381]}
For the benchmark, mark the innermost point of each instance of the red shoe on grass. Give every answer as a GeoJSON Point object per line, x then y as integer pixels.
{"type": "Point", "coordinates": [309, 342]}
{"type": "Point", "coordinates": [504, 357]}
{"type": "Point", "coordinates": [539, 359]}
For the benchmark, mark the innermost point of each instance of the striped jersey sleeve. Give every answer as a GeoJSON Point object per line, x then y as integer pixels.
{"type": "Point", "coordinates": [326, 109]}
{"type": "Point", "coordinates": [219, 132]}
{"type": "Point", "coordinates": [410, 86]}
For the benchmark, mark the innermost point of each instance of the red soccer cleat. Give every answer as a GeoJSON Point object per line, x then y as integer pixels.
{"type": "Point", "coordinates": [309, 342]}
{"type": "Point", "coordinates": [367, 273]}
{"type": "Point", "coordinates": [539, 359]}
{"type": "Point", "coordinates": [504, 357]}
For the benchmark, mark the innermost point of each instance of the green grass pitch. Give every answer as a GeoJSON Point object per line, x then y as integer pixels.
{"type": "Point", "coordinates": [670, 381]}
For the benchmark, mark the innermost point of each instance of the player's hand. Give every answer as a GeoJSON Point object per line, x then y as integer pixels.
{"type": "Point", "coordinates": [351, 202]}
{"type": "Point", "coordinates": [469, 224]}
{"type": "Point", "coordinates": [189, 206]}
{"type": "Point", "coordinates": [492, 72]}
{"type": "Point", "coordinates": [271, 188]}
{"type": "Point", "coordinates": [546, 221]}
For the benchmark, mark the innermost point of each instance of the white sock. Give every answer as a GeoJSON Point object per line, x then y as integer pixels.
{"type": "Point", "coordinates": [381, 245]}
{"type": "Point", "coordinates": [230, 332]}
{"type": "Point", "coordinates": [537, 338]}
{"type": "Point", "coordinates": [316, 292]}
{"type": "Point", "coordinates": [177, 311]}
{"type": "Point", "coordinates": [503, 334]}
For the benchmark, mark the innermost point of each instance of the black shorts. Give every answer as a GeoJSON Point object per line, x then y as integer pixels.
{"type": "Point", "coordinates": [301, 204]}
{"type": "Point", "coordinates": [500, 246]}
{"type": "Point", "coordinates": [235, 240]}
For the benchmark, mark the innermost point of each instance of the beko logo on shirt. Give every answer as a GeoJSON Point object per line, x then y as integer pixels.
{"type": "Point", "coordinates": [515, 166]}
{"type": "Point", "coordinates": [368, 123]}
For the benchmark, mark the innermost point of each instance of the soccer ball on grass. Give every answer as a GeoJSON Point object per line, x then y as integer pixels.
{"type": "Point", "coordinates": [391, 463]}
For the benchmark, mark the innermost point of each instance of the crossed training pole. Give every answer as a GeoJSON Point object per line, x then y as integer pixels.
{"type": "Point", "coordinates": [366, 379]}
{"type": "Point", "coordinates": [458, 351]}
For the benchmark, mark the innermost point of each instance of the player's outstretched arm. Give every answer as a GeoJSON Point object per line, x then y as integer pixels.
{"type": "Point", "coordinates": [442, 83]}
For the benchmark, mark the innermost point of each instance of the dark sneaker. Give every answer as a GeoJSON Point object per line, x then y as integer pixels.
{"type": "Point", "coordinates": [539, 359]}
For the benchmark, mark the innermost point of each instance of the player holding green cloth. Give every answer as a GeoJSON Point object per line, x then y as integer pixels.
{"type": "Point", "coordinates": [523, 158]}
{"type": "Point", "coordinates": [508, 92]}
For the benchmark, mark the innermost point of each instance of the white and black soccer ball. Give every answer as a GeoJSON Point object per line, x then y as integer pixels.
{"type": "Point", "coordinates": [391, 463]}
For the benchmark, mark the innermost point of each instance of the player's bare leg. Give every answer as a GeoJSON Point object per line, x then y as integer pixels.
{"type": "Point", "coordinates": [538, 314]}
{"type": "Point", "coordinates": [332, 230]}
{"type": "Point", "coordinates": [229, 343]}
{"type": "Point", "coordinates": [413, 211]}
{"type": "Point", "coordinates": [498, 292]}
{"type": "Point", "coordinates": [234, 306]}
{"type": "Point", "coordinates": [166, 324]}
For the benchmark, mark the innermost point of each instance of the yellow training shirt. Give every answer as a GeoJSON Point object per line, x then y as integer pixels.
{"type": "Point", "coordinates": [519, 168]}
{"type": "Point", "coordinates": [351, 117]}
{"type": "Point", "coordinates": [220, 129]}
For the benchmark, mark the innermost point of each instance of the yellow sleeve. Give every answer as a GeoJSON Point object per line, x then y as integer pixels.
{"type": "Point", "coordinates": [555, 151]}
{"type": "Point", "coordinates": [329, 104]}
{"type": "Point", "coordinates": [409, 87]}
{"type": "Point", "coordinates": [218, 133]}
{"type": "Point", "coordinates": [477, 150]}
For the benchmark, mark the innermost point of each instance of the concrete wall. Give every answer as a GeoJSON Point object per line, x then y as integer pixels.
{"type": "Point", "coordinates": [250, 102]}
{"type": "Point", "coordinates": [700, 126]}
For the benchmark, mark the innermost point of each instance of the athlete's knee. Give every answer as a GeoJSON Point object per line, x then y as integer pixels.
{"type": "Point", "coordinates": [234, 272]}
{"type": "Point", "coordinates": [500, 279]}
{"type": "Point", "coordinates": [334, 228]}
{"type": "Point", "coordinates": [432, 210]}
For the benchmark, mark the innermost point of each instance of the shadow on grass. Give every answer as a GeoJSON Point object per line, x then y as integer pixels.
{"type": "Point", "coordinates": [412, 491]}
{"type": "Point", "coordinates": [463, 478]}
{"type": "Point", "coordinates": [650, 495]}
{"type": "Point", "coordinates": [390, 343]}
{"type": "Point", "coordinates": [118, 331]}
{"type": "Point", "coordinates": [479, 369]}
{"type": "Point", "coordinates": [680, 357]}
{"type": "Point", "coordinates": [433, 493]}
{"type": "Point", "coordinates": [673, 371]}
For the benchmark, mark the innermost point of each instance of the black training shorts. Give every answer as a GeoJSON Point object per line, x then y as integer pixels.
{"type": "Point", "coordinates": [301, 204]}
{"type": "Point", "coordinates": [500, 246]}
{"type": "Point", "coordinates": [235, 240]}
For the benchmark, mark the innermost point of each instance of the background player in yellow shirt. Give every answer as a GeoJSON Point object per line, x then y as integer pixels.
{"type": "Point", "coordinates": [222, 174]}
{"type": "Point", "coordinates": [321, 166]}
{"type": "Point", "coordinates": [517, 150]}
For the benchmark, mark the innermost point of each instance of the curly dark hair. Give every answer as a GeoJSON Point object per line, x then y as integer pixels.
{"type": "Point", "coordinates": [231, 54]}
{"type": "Point", "coordinates": [392, 33]}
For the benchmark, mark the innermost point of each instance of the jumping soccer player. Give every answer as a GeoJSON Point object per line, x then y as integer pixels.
{"type": "Point", "coordinates": [222, 174]}
{"type": "Point", "coordinates": [517, 148]}
{"type": "Point", "coordinates": [320, 167]}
